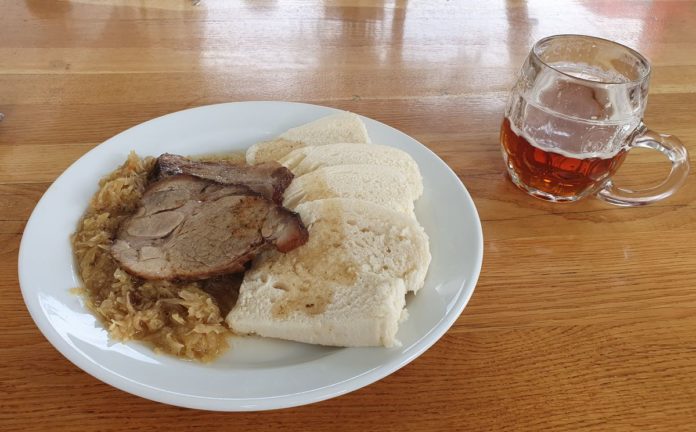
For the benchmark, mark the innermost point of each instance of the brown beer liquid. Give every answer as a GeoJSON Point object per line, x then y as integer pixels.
{"type": "Point", "coordinates": [554, 173]}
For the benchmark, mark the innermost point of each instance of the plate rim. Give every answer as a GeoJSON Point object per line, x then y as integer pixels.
{"type": "Point", "coordinates": [124, 383]}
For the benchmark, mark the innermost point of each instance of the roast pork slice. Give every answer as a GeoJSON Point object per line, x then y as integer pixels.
{"type": "Point", "coordinates": [268, 179]}
{"type": "Point", "coordinates": [189, 228]}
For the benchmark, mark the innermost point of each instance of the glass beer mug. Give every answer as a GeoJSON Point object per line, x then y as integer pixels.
{"type": "Point", "coordinates": [574, 113]}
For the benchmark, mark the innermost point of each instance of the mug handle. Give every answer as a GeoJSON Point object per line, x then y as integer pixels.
{"type": "Point", "coordinates": [669, 146]}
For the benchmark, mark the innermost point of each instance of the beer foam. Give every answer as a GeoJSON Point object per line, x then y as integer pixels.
{"type": "Point", "coordinates": [584, 155]}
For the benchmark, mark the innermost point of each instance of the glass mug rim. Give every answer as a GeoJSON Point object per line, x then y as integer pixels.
{"type": "Point", "coordinates": [537, 50]}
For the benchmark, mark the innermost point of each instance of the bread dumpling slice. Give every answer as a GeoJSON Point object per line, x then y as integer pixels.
{"type": "Point", "coordinates": [309, 159]}
{"type": "Point", "coordinates": [331, 314]}
{"type": "Point", "coordinates": [344, 127]}
{"type": "Point", "coordinates": [345, 286]}
{"type": "Point", "coordinates": [387, 186]}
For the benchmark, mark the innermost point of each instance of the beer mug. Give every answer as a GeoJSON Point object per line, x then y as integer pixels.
{"type": "Point", "coordinates": [572, 116]}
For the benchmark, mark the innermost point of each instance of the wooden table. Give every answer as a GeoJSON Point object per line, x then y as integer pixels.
{"type": "Point", "coordinates": [584, 317]}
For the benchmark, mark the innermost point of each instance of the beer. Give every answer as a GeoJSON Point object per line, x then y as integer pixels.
{"type": "Point", "coordinates": [554, 173]}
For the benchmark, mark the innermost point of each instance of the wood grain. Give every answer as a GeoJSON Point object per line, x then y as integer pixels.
{"type": "Point", "coordinates": [584, 317]}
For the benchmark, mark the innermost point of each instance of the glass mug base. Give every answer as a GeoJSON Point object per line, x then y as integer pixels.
{"type": "Point", "coordinates": [539, 193]}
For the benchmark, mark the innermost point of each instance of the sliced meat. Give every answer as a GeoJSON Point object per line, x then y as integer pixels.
{"type": "Point", "coordinates": [189, 228]}
{"type": "Point", "coordinates": [268, 179]}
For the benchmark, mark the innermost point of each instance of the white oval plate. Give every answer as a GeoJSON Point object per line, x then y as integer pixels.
{"type": "Point", "coordinates": [256, 373]}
